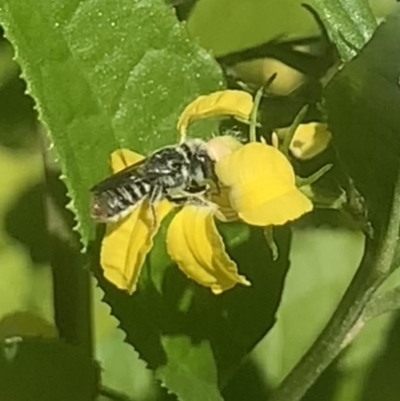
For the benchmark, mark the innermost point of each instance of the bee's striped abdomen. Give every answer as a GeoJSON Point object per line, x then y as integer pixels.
{"type": "Point", "coordinates": [113, 204]}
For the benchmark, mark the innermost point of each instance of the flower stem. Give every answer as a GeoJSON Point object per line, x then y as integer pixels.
{"type": "Point", "coordinates": [269, 237]}
{"type": "Point", "coordinates": [292, 129]}
{"type": "Point", "coordinates": [376, 265]}
{"type": "Point", "coordinates": [301, 182]}
{"type": "Point", "coordinates": [377, 306]}
{"type": "Point", "coordinates": [253, 115]}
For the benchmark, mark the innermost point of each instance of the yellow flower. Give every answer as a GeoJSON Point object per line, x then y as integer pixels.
{"type": "Point", "coordinates": [308, 140]}
{"type": "Point", "coordinates": [193, 242]}
{"type": "Point", "coordinates": [230, 102]}
{"type": "Point", "coordinates": [257, 186]}
{"type": "Point", "coordinates": [262, 185]}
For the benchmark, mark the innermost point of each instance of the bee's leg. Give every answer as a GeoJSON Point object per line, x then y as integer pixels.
{"type": "Point", "coordinates": [182, 200]}
{"type": "Point", "coordinates": [216, 182]}
{"type": "Point", "coordinates": [177, 200]}
{"type": "Point", "coordinates": [183, 193]}
{"type": "Point", "coordinates": [199, 201]}
{"type": "Point", "coordinates": [204, 189]}
{"type": "Point", "coordinates": [214, 178]}
{"type": "Point", "coordinates": [154, 197]}
{"type": "Point", "coordinates": [195, 189]}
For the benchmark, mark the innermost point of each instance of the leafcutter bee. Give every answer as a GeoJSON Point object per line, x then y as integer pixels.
{"type": "Point", "coordinates": [179, 173]}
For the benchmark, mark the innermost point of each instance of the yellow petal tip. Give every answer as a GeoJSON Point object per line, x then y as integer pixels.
{"type": "Point", "coordinates": [194, 243]}
{"type": "Point", "coordinates": [218, 289]}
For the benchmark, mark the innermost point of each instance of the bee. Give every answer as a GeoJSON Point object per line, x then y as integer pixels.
{"type": "Point", "coordinates": [180, 173]}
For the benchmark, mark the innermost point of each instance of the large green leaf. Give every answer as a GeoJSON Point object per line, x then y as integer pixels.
{"type": "Point", "coordinates": [362, 103]}
{"type": "Point", "coordinates": [349, 24]}
{"type": "Point", "coordinates": [106, 75]}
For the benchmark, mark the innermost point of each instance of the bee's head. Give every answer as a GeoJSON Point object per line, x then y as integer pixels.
{"type": "Point", "coordinates": [201, 163]}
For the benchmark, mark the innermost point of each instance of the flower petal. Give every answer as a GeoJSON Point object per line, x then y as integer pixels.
{"type": "Point", "coordinates": [309, 140]}
{"type": "Point", "coordinates": [122, 158]}
{"type": "Point", "coordinates": [227, 102]}
{"type": "Point", "coordinates": [262, 185]}
{"type": "Point", "coordinates": [127, 242]}
{"type": "Point", "coordinates": [256, 164]}
{"type": "Point", "coordinates": [194, 243]}
{"type": "Point", "coordinates": [278, 211]}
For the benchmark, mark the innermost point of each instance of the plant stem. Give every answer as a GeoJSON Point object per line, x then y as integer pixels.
{"type": "Point", "coordinates": [387, 302]}
{"type": "Point", "coordinates": [377, 306]}
{"type": "Point", "coordinates": [300, 182]}
{"type": "Point", "coordinates": [374, 268]}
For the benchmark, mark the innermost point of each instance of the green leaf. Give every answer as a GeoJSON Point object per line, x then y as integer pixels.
{"type": "Point", "coordinates": [362, 106]}
{"type": "Point", "coordinates": [350, 24]}
{"type": "Point", "coordinates": [105, 76]}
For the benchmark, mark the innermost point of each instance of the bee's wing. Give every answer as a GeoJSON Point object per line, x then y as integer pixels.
{"type": "Point", "coordinates": [127, 174]}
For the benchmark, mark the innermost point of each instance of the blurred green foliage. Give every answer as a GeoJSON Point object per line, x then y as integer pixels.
{"type": "Point", "coordinates": [24, 253]}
